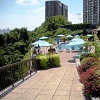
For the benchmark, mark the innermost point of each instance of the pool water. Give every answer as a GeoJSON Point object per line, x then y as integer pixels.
{"type": "Point", "coordinates": [63, 46]}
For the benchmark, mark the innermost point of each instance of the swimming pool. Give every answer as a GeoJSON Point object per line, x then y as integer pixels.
{"type": "Point", "coordinates": [63, 46]}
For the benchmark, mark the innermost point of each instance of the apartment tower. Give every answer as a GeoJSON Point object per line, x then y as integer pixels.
{"type": "Point", "coordinates": [55, 7]}
{"type": "Point", "coordinates": [91, 11]}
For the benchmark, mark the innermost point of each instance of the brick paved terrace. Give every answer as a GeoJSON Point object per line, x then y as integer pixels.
{"type": "Point", "coordinates": [60, 83]}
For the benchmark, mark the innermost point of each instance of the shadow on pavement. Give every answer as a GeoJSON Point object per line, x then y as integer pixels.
{"type": "Point", "coordinates": [71, 61]}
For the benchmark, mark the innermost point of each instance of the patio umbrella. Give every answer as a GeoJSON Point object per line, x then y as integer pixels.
{"type": "Point", "coordinates": [43, 38]}
{"type": "Point", "coordinates": [42, 43]}
{"type": "Point", "coordinates": [60, 35]}
{"type": "Point", "coordinates": [89, 35]}
{"type": "Point", "coordinates": [37, 42]}
{"type": "Point", "coordinates": [76, 36]}
{"type": "Point", "coordinates": [70, 36]}
{"type": "Point", "coordinates": [76, 41]}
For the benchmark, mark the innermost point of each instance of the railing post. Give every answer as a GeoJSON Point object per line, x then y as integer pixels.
{"type": "Point", "coordinates": [22, 70]}
{"type": "Point", "coordinates": [30, 64]}
{"type": "Point", "coordinates": [35, 65]}
{"type": "Point", "coordinates": [12, 77]}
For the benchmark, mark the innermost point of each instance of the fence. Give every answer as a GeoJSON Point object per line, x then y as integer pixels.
{"type": "Point", "coordinates": [14, 74]}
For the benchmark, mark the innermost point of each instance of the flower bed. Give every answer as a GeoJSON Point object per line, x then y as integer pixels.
{"type": "Point", "coordinates": [89, 73]}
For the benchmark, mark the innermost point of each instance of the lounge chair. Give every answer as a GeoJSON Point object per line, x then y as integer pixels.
{"type": "Point", "coordinates": [67, 50]}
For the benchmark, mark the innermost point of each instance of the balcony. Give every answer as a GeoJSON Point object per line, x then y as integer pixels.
{"type": "Point", "coordinates": [56, 83]}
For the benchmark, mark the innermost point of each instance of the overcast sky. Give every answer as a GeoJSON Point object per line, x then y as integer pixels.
{"type": "Point", "coordinates": [31, 13]}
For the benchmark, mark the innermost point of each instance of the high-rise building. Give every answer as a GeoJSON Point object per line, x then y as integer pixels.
{"type": "Point", "coordinates": [91, 11]}
{"type": "Point", "coordinates": [55, 7]}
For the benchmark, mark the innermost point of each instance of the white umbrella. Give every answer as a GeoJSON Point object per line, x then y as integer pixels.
{"type": "Point", "coordinates": [70, 36]}
{"type": "Point", "coordinates": [89, 35]}
{"type": "Point", "coordinates": [76, 41]}
{"type": "Point", "coordinates": [43, 37]}
{"type": "Point", "coordinates": [60, 35]}
{"type": "Point", "coordinates": [41, 43]}
{"type": "Point", "coordinates": [37, 42]}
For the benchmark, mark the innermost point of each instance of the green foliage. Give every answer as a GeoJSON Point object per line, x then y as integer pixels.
{"type": "Point", "coordinates": [21, 71]}
{"type": "Point", "coordinates": [56, 59]}
{"type": "Point", "coordinates": [43, 61]}
{"type": "Point", "coordinates": [97, 45]}
{"type": "Point", "coordinates": [84, 60]}
{"type": "Point", "coordinates": [64, 38]}
{"type": "Point", "coordinates": [87, 55]}
{"type": "Point", "coordinates": [48, 61]}
{"type": "Point", "coordinates": [14, 46]}
{"type": "Point", "coordinates": [55, 22]}
{"type": "Point", "coordinates": [74, 27]}
{"type": "Point", "coordinates": [27, 55]}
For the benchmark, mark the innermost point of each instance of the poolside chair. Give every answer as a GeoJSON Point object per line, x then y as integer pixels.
{"type": "Point", "coordinates": [60, 50]}
{"type": "Point", "coordinates": [67, 50]}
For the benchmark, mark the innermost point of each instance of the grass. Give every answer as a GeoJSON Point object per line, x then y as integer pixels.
{"type": "Point", "coordinates": [27, 55]}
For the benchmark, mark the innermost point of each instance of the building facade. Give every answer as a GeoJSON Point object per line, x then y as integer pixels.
{"type": "Point", "coordinates": [55, 7]}
{"type": "Point", "coordinates": [91, 11]}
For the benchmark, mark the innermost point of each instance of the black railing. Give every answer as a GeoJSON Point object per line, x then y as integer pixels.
{"type": "Point", "coordinates": [14, 74]}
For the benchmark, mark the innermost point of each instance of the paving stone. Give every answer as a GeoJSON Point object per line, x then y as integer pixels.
{"type": "Point", "coordinates": [19, 90]}
{"type": "Point", "coordinates": [12, 96]}
{"type": "Point", "coordinates": [57, 97]}
{"type": "Point", "coordinates": [76, 93]}
{"type": "Point", "coordinates": [62, 92]}
{"type": "Point", "coordinates": [52, 87]}
{"type": "Point", "coordinates": [44, 97]}
{"type": "Point", "coordinates": [27, 96]}
{"type": "Point", "coordinates": [77, 98]}
{"type": "Point", "coordinates": [47, 91]}
{"type": "Point", "coordinates": [33, 91]}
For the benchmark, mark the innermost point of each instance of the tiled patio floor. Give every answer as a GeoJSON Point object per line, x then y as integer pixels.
{"type": "Point", "coordinates": [54, 84]}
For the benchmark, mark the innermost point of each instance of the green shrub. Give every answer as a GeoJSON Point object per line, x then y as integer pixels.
{"type": "Point", "coordinates": [84, 60]}
{"type": "Point", "coordinates": [87, 55]}
{"type": "Point", "coordinates": [47, 61]}
{"type": "Point", "coordinates": [91, 81]}
{"type": "Point", "coordinates": [56, 60]}
{"type": "Point", "coordinates": [91, 54]}
{"type": "Point", "coordinates": [88, 63]}
{"type": "Point", "coordinates": [43, 60]}
{"type": "Point", "coordinates": [82, 56]}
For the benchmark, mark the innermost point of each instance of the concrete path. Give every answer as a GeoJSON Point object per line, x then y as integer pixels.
{"type": "Point", "coordinates": [54, 84]}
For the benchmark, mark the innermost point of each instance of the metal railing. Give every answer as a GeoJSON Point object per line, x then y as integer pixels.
{"type": "Point", "coordinates": [14, 74]}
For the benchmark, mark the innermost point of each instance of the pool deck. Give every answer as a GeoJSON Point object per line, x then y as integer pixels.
{"type": "Point", "coordinates": [60, 83]}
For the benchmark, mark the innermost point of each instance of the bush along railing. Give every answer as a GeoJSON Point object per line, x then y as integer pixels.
{"type": "Point", "coordinates": [11, 75]}
{"type": "Point", "coordinates": [89, 73]}
{"type": "Point", "coordinates": [47, 61]}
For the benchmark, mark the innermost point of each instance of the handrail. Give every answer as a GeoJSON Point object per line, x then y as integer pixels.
{"type": "Point", "coordinates": [10, 65]}
{"type": "Point", "coordinates": [16, 72]}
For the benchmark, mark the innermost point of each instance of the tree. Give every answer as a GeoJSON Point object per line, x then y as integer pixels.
{"type": "Point", "coordinates": [85, 31]}
{"type": "Point", "coordinates": [23, 34]}
{"type": "Point", "coordinates": [1, 39]}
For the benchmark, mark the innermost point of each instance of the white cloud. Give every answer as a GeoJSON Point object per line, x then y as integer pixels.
{"type": "Point", "coordinates": [27, 2]}
{"type": "Point", "coordinates": [40, 10]}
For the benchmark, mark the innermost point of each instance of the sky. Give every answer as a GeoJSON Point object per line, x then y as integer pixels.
{"type": "Point", "coordinates": [31, 13]}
